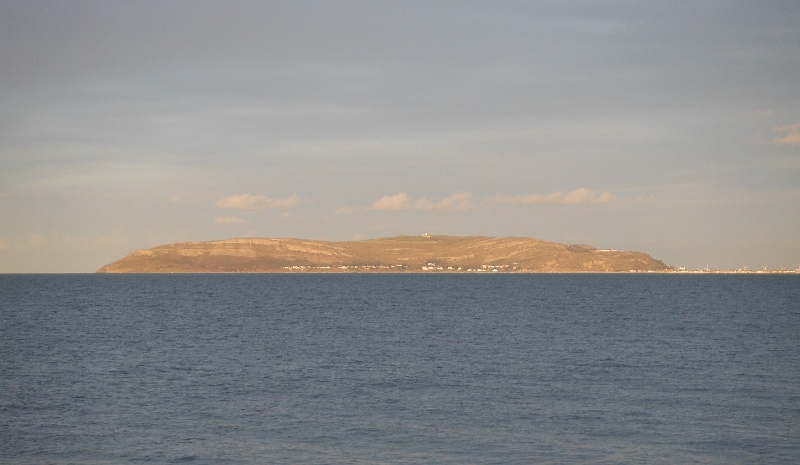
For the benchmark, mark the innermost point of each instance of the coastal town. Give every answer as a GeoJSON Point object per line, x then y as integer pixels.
{"type": "Point", "coordinates": [432, 267]}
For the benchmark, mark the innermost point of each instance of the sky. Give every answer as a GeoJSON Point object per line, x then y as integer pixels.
{"type": "Point", "coordinates": [671, 128]}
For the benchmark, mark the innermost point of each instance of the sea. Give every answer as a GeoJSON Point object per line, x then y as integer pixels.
{"type": "Point", "coordinates": [399, 369]}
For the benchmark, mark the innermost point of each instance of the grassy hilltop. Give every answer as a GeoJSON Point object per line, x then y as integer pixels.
{"type": "Point", "coordinates": [401, 253]}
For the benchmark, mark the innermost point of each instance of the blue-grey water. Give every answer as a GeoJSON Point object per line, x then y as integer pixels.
{"type": "Point", "coordinates": [383, 369]}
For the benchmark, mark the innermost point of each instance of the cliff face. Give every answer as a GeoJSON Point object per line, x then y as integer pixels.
{"type": "Point", "coordinates": [402, 253]}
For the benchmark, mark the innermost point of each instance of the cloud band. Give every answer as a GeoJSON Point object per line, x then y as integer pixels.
{"type": "Point", "coordinates": [578, 196]}
{"type": "Point", "coordinates": [255, 202]}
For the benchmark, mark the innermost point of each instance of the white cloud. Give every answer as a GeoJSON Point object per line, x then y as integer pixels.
{"type": "Point", "coordinates": [343, 211]}
{"type": "Point", "coordinates": [787, 135]}
{"type": "Point", "coordinates": [604, 197]}
{"type": "Point", "coordinates": [781, 135]}
{"type": "Point", "coordinates": [578, 196]}
{"type": "Point", "coordinates": [532, 199]}
{"type": "Point", "coordinates": [461, 201]}
{"type": "Point", "coordinates": [229, 220]}
{"type": "Point", "coordinates": [255, 202]}
{"type": "Point", "coordinates": [398, 201]}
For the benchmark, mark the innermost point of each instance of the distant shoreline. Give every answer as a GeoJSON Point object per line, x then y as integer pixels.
{"type": "Point", "coordinates": [315, 272]}
{"type": "Point", "coordinates": [426, 253]}
{"type": "Point", "coordinates": [431, 254]}
{"type": "Point", "coordinates": [420, 272]}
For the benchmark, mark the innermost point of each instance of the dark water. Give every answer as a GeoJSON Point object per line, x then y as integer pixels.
{"type": "Point", "coordinates": [214, 369]}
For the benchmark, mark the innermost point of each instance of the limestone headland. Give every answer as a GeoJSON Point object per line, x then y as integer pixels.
{"type": "Point", "coordinates": [426, 253]}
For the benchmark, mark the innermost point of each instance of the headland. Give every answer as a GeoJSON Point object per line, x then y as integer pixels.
{"type": "Point", "coordinates": [426, 253]}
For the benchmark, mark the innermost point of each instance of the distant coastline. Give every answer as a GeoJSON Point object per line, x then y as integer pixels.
{"type": "Point", "coordinates": [417, 254]}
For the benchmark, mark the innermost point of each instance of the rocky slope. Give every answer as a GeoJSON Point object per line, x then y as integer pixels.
{"type": "Point", "coordinates": [402, 253]}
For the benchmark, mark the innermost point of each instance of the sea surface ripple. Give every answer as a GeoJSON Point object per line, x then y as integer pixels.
{"type": "Point", "coordinates": [404, 368]}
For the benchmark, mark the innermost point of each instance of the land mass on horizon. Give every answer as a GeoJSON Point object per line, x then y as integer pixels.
{"type": "Point", "coordinates": [426, 253]}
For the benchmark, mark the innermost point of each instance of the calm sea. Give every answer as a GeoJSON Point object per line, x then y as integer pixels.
{"type": "Point", "coordinates": [380, 369]}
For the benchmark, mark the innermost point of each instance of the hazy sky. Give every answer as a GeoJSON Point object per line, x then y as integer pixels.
{"type": "Point", "coordinates": [669, 128]}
